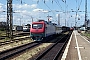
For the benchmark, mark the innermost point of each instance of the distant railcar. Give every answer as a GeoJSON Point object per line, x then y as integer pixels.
{"type": "Point", "coordinates": [17, 28]}
{"type": "Point", "coordinates": [26, 28]}
{"type": "Point", "coordinates": [65, 29]}
{"type": "Point", "coordinates": [58, 29]}
{"type": "Point", "coordinates": [71, 29]}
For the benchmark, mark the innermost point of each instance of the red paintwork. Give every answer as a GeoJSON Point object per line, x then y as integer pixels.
{"type": "Point", "coordinates": [38, 30]}
{"type": "Point", "coordinates": [71, 29]}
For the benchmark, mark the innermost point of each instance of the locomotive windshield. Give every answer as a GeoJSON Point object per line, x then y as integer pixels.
{"type": "Point", "coordinates": [37, 26]}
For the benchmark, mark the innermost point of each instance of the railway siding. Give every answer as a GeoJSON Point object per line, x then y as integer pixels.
{"type": "Point", "coordinates": [30, 53]}
{"type": "Point", "coordinates": [51, 52]}
{"type": "Point", "coordinates": [12, 45]}
{"type": "Point", "coordinates": [26, 52]}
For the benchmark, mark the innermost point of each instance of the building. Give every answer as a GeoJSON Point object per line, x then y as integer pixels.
{"type": "Point", "coordinates": [3, 25]}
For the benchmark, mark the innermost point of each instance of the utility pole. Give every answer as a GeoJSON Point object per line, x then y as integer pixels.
{"type": "Point", "coordinates": [76, 16]}
{"type": "Point", "coordinates": [58, 19]}
{"type": "Point", "coordinates": [76, 21]}
{"type": "Point", "coordinates": [20, 22]}
{"type": "Point", "coordinates": [65, 10]}
{"type": "Point", "coordinates": [65, 13]}
{"type": "Point", "coordinates": [32, 18]}
{"type": "Point", "coordinates": [85, 14]}
{"type": "Point", "coordinates": [9, 31]}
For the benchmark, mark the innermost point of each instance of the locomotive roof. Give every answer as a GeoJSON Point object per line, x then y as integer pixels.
{"type": "Point", "coordinates": [38, 22]}
{"type": "Point", "coordinates": [49, 23]}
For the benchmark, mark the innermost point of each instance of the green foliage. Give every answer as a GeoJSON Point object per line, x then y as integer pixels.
{"type": "Point", "coordinates": [2, 29]}
{"type": "Point", "coordinates": [86, 34]}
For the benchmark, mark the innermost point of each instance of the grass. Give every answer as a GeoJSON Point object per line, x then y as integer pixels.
{"type": "Point", "coordinates": [15, 44]}
{"type": "Point", "coordinates": [86, 34]}
{"type": "Point", "coordinates": [6, 39]}
{"type": "Point", "coordinates": [2, 33]}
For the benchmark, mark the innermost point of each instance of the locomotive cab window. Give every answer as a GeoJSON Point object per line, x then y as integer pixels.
{"type": "Point", "coordinates": [37, 26]}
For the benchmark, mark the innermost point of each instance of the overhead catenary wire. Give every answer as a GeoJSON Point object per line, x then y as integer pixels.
{"type": "Point", "coordinates": [49, 7]}
{"type": "Point", "coordinates": [37, 1]}
{"type": "Point", "coordinates": [21, 1]}
{"type": "Point", "coordinates": [57, 2]}
{"type": "Point", "coordinates": [50, 10]}
{"type": "Point", "coordinates": [79, 5]}
{"type": "Point", "coordinates": [65, 10]}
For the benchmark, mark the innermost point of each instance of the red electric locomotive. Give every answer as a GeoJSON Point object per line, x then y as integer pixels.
{"type": "Point", "coordinates": [41, 29]}
{"type": "Point", "coordinates": [37, 30]}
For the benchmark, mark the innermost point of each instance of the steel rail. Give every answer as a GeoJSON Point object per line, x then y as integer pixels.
{"type": "Point", "coordinates": [48, 50]}
{"type": "Point", "coordinates": [8, 53]}
{"type": "Point", "coordinates": [63, 47]}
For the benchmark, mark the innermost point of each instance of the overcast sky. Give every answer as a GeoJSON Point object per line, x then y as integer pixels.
{"type": "Point", "coordinates": [26, 10]}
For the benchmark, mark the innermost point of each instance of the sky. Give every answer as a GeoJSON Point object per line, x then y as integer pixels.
{"type": "Point", "coordinates": [26, 10]}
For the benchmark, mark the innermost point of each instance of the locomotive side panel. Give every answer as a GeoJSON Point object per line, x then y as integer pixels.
{"type": "Point", "coordinates": [49, 30]}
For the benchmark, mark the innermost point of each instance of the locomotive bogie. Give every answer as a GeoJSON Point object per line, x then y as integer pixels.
{"type": "Point", "coordinates": [37, 37]}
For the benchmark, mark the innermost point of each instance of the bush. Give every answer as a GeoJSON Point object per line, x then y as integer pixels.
{"type": "Point", "coordinates": [2, 29]}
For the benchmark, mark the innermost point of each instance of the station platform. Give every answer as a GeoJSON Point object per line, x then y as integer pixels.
{"type": "Point", "coordinates": [78, 48]}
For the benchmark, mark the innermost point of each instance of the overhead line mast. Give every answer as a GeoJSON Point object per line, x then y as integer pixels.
{"type": "Point", "coordinates": [85, 14]}
{"type": "Point", "coordinates": [9, 31]}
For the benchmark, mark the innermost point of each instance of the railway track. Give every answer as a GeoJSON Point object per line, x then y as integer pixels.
{"type": "Point", "coordinates": [8, 53]}
{"type": "Point", "coordinates": [53, 51]}
{"type": "Point", "coordinates": [14, 40]}
{"type": "Point", "coordinates": [12, 52]}
{"type": "Point", "coordinates": [16, 37]}
{"type": "Point", "coordinates": [16, 34]}
{"type": "Point", "coordinates": [20, 34]}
